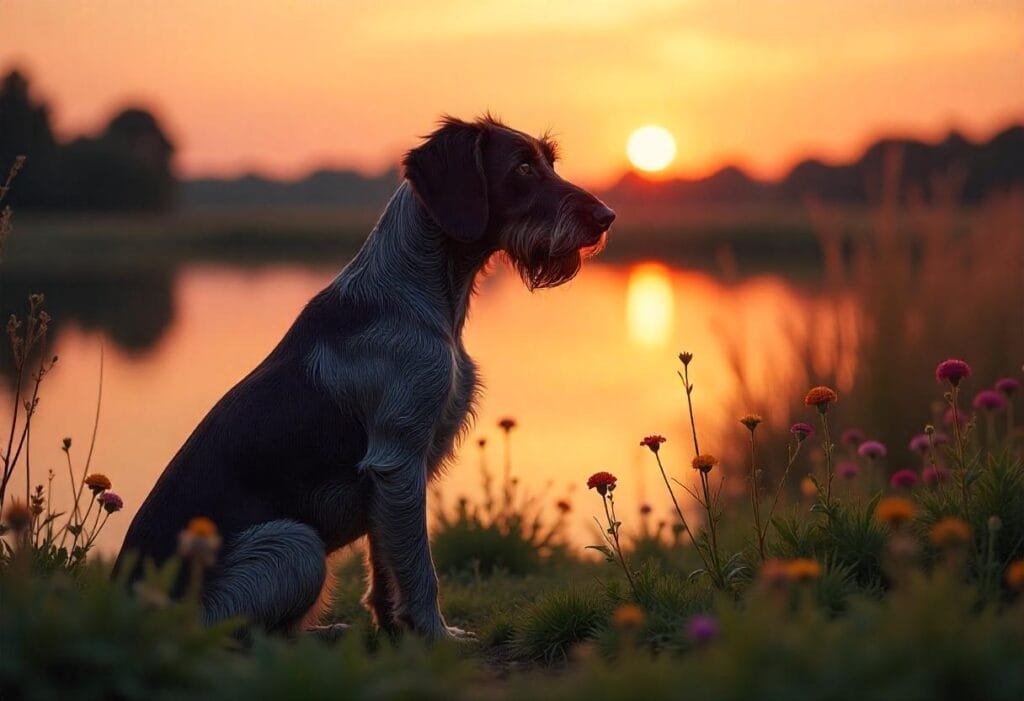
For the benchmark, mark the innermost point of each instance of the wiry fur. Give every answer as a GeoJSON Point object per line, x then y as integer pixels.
{"type": "Point", "coordinates": [338, 431]}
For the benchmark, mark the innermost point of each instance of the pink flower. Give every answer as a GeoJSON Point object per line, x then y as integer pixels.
{"type": "Point", "coordinates": [989, 400]}
{"type": "Point", "coordinates": [852, 437]}
{"type": "Point", "coordinates": [871, 450]}
{"type": "Point", "coordinates": [110, 502]}
{"type": "Point", "coordinates": [702, 629]}
{"type": "Point", "coordinates": [847, 469]}
{"type": "Point", "coordinates": [952, 371]}
{"type": "Point", "coordinates": [903, 479]}
{"type": "Point", "coordinates": [1008, 386]}
{"type": "Point", "coordinates": [801, 430]}
{"type": "Point", "coordinates": [933, 474]}
{"type": "Point", "coordinates": [920, 443]}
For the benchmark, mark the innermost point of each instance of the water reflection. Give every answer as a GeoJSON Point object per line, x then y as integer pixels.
{"type": "Point", "coordinates": [586, 369]}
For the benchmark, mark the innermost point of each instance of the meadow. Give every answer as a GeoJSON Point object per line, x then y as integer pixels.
{"type": "Point", "coordinates": [859, 535]}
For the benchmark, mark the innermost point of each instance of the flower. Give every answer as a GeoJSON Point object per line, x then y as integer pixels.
{"type": "Point", "coordinates": [903, 479]}
{"type": "Point", "coordinates": [803, 569]}
{"type": "Point", "coordinates": [628, 616]}
{"type": "Point", "coordinates": [949, 531]}
{"type": "Point", "coordinates": [939, 438]}
{"type": "Point", "coordinates": [97, 483]}
{"type": "Point", "coordinates": [948, 418]}
{"type": "Point", "coordinates": [952, 371]}
{"type": "Point", "coordinates": [199, 542]}
{"type": "Point", "coordinates": [563, 506]}
{"type": "Point", "coordinates": [821, 397]}
{"type": "Point", "coordinates": [894, 510]}
{"type": "Point", "coordinates": [933, 474]}
{"type": "Point", "coordinates": [65, 444]}
{"type": "Point", "coordinates": [852, 437]}
{"type": "Point", "coordinates": [801, 430]}
{"type": "Point", "coordinates": [603, 482]}
{"type": "Point", "coordinates": [1015, 575]}
{"type": "Point", "coordinates": [704, 462]}
{"type": "Point", "coordinates": [110, 502]}
{"type": "Point", "coordinates": [920, 443]}
{"type": "Point", "coordinates": [645, 509]}
{"type": "Point", "coordinates": [1008, 386]}
{"type": "Point", "coordinates": [989, 400]}
{"type": "Point", "coordinates": [751, 421]}
{"type": "Point", "coordinates": [18, 516]}
{"type": "Point", "coordinates": [482, 442]}
{"type": "Point", "coordinates": [507, 424]}
{"type": "Point", "coordinates": [653, 442]}
{"type": "Point", "coordinates": [871, 450]}
{"type": "Point", "coordinates": [847, 469]}
{"type": "Point", "coordinates": [702, 629]}
{"type": "Point", "coordinates": [685, 357]}
{"type": "Point", "coordinates": [808, 487]}
{"type": "Point", "coordinates": [774, 572]}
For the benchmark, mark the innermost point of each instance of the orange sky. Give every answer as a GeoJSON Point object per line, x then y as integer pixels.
{"type": "Point", "coordinates": [282, 86]}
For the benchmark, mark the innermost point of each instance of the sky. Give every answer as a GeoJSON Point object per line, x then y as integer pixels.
{"type": "Point", "coordinates": [282, 87]}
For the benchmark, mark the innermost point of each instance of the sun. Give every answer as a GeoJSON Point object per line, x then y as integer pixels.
{"type": "Point", "coordinates": [651, 148]}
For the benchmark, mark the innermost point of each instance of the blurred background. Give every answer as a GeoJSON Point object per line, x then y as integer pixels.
{"type": "Point", "coordinates": [807, 193]}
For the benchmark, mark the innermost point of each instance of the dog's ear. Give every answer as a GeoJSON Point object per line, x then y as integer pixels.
{"type": "Point", "coordinates": [447, 175]}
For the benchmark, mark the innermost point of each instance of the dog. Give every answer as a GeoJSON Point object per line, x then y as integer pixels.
{"type": "Point", "coordinates": [336, 434]}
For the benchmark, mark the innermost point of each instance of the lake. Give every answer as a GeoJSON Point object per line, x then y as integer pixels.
{"type": "Point", "coordinates": [586, 370]}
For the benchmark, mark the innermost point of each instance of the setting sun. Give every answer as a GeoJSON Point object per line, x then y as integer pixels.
{"type": "Point", "coordinates": [651, 148]}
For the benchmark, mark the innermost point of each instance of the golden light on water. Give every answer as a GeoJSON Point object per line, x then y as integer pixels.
{"type": "Point", "coordinates": [650, 305]}
{"type": "Point", "coordinates": [651, 148]}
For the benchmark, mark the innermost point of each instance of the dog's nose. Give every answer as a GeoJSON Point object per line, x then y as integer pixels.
{"type": "Point", "coordinates": [603, 216]}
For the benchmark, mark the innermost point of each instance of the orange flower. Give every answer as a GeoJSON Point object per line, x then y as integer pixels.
{"type": "Point", "coordinates": [774, 572]}
{"type": "Point", "coordinates": [894, 511]}
{"type": "Point", "coordinates": [97, 483]}
{"type": "Point", "coordinates": [950, 532]}
{"type": "Point", "coordinates": [1015, 575]}
{"type": "Point", "coordinates": [803, 569]}
{"type": "Point", "coordinates": [628, 616]}
{"type": "Point", "coordinates": [821, 397]}
{"type": "Point", "coordinates": [808, 487]}
{"type": "Point", "coordinates": [199, 542]}
{"type": "Point", "coordinates": [704, 462]}
{"type": "Point", "coordinates": [201, 526]}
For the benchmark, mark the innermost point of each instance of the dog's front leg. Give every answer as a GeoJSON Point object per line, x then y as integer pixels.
{"type": "Point", "coordinates": [399, 542]}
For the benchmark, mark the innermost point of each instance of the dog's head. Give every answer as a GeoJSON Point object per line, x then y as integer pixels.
{"type": "Point", "coordinates": [484, 183]}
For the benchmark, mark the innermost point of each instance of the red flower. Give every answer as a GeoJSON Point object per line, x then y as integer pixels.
{"type": "Point", "coordinates": [603, 482]}
{"type": "Point", "coordinates": [821, 397]}
{"type": "Point", "coordinates": [507, 424]}
{"type": "Point", "coordinates": [653, 442]}
{"type": "Point", "coordinates": [952, 371]}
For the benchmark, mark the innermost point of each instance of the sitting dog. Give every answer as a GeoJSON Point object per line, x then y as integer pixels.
{"type": "Point", "coordinates": [336, 434]}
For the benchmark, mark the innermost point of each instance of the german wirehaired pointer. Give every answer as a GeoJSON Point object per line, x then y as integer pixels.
{"type": "Point", "coordinates": [337, 433]}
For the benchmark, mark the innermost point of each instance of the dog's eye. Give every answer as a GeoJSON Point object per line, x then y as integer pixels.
{"type": "Point", "coordinates": [524, 168]}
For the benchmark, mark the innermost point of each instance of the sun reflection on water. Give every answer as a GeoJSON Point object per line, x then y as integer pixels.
{"type": "Point", "coordinates": [650, 305]}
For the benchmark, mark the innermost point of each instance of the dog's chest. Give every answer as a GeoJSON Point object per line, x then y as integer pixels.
{"type": "Point", "coordinates": [456, 409]}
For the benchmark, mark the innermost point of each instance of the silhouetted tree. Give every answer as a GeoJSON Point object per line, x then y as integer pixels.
{"type": "Point", "coordinates": [25, 130]}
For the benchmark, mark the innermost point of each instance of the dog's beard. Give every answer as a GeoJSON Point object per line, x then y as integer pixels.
{"type": "Point", "coordinates": [546, 256]}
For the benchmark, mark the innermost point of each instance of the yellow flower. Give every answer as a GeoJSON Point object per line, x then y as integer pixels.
{"type": "Point", "coordinates": [1015, 575]}
{"type": "Point", "coordinates": [628, 616]}
{"type": "Point", "coordinates": [97, 483]}
{"type": "Point", "coordinates": [803, 569]}
{"type": "Point", "coordinates": [894, 510]}
{"type": "Point", "coordinates": [704, 462]}
{"type": "Point", "coordinates": [751, 421]}
{"type": "Point", "coordinates": [950, 532]}
{"type": "Point", "coordinates": [808, 487]}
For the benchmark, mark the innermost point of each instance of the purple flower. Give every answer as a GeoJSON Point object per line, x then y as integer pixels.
{"type": "Point", "coordinates": [952, 371]}
{"type": "Point", "coordinates": [110, 502]}
{"type": "Point", "coordinates": [940, 438]}
{"type": "Point", "coordinates": [989, 400]}
{"type": "Point", "coordinates": [903, 479]}
{"type": "Point", "coordinates": [920, 443]}
{"type": "Point", "coordinates": [871, 450]}
{"type": "Point", "coordinates": [847, 469]}
{"type": "Point", "coordinates": [702, 629]}
{"type": "Point", "coordinates": [801, 430]}
{"type": "Point", "coordinates": [1008, 386]}
{"type": "Point", "coordinates": [933, 474]}
{"type": "Point", "coordinates": [852, 437]}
